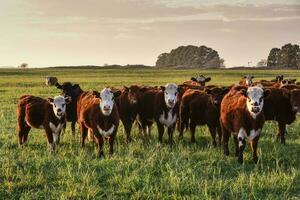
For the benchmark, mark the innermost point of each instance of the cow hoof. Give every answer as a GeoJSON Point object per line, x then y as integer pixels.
{"type": "Point", "coordinates": [255, 160]}
{"type": "Point", "coordinates": [240, 160]}
{"type": "Point", "coordinates": [282, 141]}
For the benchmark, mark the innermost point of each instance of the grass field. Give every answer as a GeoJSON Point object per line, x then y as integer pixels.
{"type": "Point", "coordinates": [138, 170]}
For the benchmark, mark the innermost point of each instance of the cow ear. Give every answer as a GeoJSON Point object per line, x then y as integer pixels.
{"type": "Point", "coordinates": [293, 80]}
{"type": "Point", "coordinates": [117, 93]}
{"type": "Point", "coordinates": [207, 79]}
{"type": "Point", "coordinates": [75, 86]}
{"type": "Point", "coordinates": [180, 89]}
{"type": "Point", "coordinates": [245, 76]}
{"type": "Point", "coordinates": [68, 99]}
{"type": "Point", "coordinates": [50, 100]}
{"type": "Point", "coordinates": [96, 94]}
{"type": "Point", "coordinates": [193, 79]}
{"type": "Point", "coordinates": [162, 88]}
{"type": "Point", "coordinates": [266, 93]}
{"type": "Point", "coordinates": [58, 86]}
{"type": "Point", "coordinates": [244, 93]}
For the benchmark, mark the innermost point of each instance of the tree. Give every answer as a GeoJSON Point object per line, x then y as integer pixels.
{"type": "Point", "coordinates": [288, 56]}
{"type": "Point", "coordinates": [262, 63]}
{"type": "Point", "coordinates": [23, 65]}
{"type": "Point", "coordinates": [190, 56]}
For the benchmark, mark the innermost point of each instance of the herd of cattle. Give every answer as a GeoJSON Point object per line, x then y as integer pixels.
{"type": "Point", "coordinates": [240, 109]}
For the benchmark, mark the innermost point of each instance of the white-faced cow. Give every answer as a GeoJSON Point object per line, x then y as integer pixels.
{"type": "Point", "coordinates": [99, 115]}
{"type": "Point", "coordinates": [246, 80]}
{"type": "Point", "coordinates": [35, 112]}
{"type": "Point", "coordinates": [242, 114]}
{"type": "Point", "coordinates": [73, 91]}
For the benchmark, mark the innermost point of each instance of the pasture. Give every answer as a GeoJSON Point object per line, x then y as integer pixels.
{"type": "Point", "coordinates": [139, 170]}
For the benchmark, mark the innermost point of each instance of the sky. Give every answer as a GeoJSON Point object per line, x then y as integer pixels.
{"type": "Point", "coordinates": [47, 33]}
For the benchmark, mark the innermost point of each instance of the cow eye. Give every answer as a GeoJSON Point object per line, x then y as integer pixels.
{"type": "Point", "coordinates": [63, 105]}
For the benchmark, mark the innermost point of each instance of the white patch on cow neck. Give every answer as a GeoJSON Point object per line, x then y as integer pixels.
{"type": "Point", "coordinates": [169, 121]}
{"type": "Point", "coordinates": [55, 130]}
{"type": "Point", "coordinates": [243, 135]}
{"type": "Point", "coordinates": [254, 95]}
{"type": "Point", "coordinates": [107, 101]}
{"type": "Point", "coordinates": [170, 94]}
{"type": "Point", "coordinates": [106, 133]}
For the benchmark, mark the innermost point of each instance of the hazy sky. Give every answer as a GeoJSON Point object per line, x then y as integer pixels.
{"type": "Point", "coordinates": [93, 32]}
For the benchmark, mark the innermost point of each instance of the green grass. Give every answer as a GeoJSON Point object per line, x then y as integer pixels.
{"type": "Point", "coordinates": [139, 170]}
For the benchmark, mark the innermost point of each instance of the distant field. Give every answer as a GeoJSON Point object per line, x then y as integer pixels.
{"type": "Point", "coordinates": [138, 170]}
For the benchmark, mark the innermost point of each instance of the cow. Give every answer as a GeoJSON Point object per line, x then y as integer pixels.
{"type": "Point", "coordinates": [99, 114]}
{"type": "Point", "coordinates": [198, 80]}
{"type": "Point", "coordinates": [127, 107]}
{"type": "Point", "coordinates": [36, 112]}
{"type": "Point", "coordinates": [246, 80]}
{"type": "Point", "coordinates": [278, 107]}
{"type": "Point", "coordinates": [197, 108]}
{"type": "Point", "coordinates": [278, 79]}
{"type": "Point", "coordinates": [242, 114]}
{"type": "Point", "coordinates": [160, 106]}
{"type": "Point", "coordinates": [50, 80]}
{"type": "Point", "coordinates": [74, 91]}
{"type": "Point", "coordinates": [295, 97]}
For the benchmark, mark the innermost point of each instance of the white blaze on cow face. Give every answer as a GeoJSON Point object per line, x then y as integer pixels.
{"type": "Point", "coordinates": [200, 78]}
{"type": "Point", "coordinates": [107, 101]}
{"type": "Point", "coordinates": [59, 106]}
{"type": "Point", "coordinates": [255, 100]}
{"type": "Point", "coordinates": [170, 94]}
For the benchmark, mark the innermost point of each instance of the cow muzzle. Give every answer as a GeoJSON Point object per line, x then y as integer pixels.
{"type": "Point", "coordinates": [255, 109]}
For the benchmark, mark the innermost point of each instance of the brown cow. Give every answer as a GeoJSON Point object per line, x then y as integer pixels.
{"type": "Point", "coordinates": [100, 116]}
{"type": "Point", "coordinates": [159, 105]}
{"type": "Point", "coordinates": [242, 114]}
{"type": "Point", "coordinates": [278, 107]}
{"type": "Point", "coordinates": [35, 112]}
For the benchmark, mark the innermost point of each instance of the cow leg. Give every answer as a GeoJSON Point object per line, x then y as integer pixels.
{"type": "Point", "coordinates": [111, 144]}
{"type": "Point", "coordinates": [24, 134]}
{"type": "Point", "coordinates": [213, 131]}
{"type": "Point", "coordinates": [100, 142]}
{"type": "Point", "coordinates": [236, 145]}
{"type": "Point", "coordinates": [241, 146]}
{"type": "Point", "coordinates": [84, 132]}
{"type": "Point", "coordinates": [193, 129]}
{"type": "Point", "coordinates": [219, 130]}
{"type": "Point", "coordinates": [225, 138]}
{"type": "Point", "coordinates": [73, 123]}
{"type": "Point", "coordinates": [281, 134]}
{"type": "Point", "coordinates": [127, 126]}
{"type": "Point", "coordinates": [49, 135]}
{"type": "Point", "coordinates": [254, 144]}
{"type": "Point", "coordinates": [91, 136]}
{"type": "Point", "coordinates": [161, 131]}
{"type": "Point", "coordinates": [183, 120]}
{"type": "Point", "coordinates": [170, 134]}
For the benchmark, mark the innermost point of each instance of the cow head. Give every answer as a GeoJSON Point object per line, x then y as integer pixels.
{"type": "Point", "coordinates": [171, 92]}
{"type": "Point", "coordinates": [248, 80]}
{"type": "Point", "coordinates": [279, 78]}
{"type": "Point", "coordinates": [69, 89]}
{"type": "Point", "coordinates": [255, 99]}
{"type": "Point", "coordinates": [295, 100]}
{"type": "Point", "coordinates": [59, 105]}
{"type": "Point", "coordinates": [134, 92]}
{"type": "Point", "coordinates": [107, 100]}
{"type": "Point", "coordinates": [201, 79]}
{"type": "Point", "coordinates": [287, 82]}
{"type": "Point", "coordinates": [217, 94]}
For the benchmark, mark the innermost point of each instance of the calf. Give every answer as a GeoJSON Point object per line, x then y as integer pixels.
{"type": "Point", "coordinates": [98, 114]}
{"type": "Point", "coordinates": [198, 108]}
{"type": "Point", "coordinates": [50, 80]}
{"type": "Point", "coordinates": [246, 80]}
{"type": "Point", "coordinates": [35, 112]}
{"type": "Point", "coordinates": [242, 114]}
{"type": "Point", "coordinates": [127, 107]}
{"type": "Point", "coordinates": [74, 91]}
{"type": "Point", "coordinates": [159, 105]}
{"type": "Point", "coordinates": [278, 107]}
